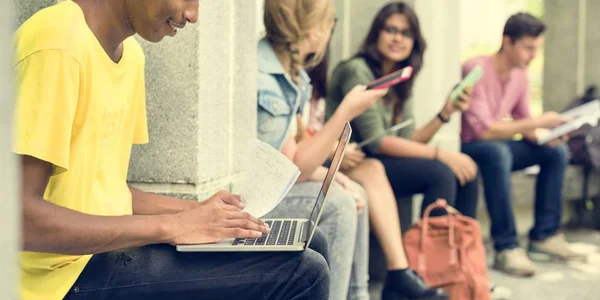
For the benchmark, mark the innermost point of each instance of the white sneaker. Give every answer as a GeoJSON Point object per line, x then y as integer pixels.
{"type": "Point", "coordinates": [554, 248]}
{"type": "Point", "coordinates": [499, 292]}
{"type": "Point", "coordinates": [515, 262]}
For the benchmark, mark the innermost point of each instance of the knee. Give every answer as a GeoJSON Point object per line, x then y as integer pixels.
{"type": "Point", "coordinates": [442, 174]}
{"type": "Point", "coordinates": [315, 272]}
{"type": "Point", "coordinates": [369, 172]}
{"type": "Point", "coordinates": [341, 202]}
{"type": "Point", "coordinates": [319, 244]}
{"type": "Point", "coordinates": [559, 155]}
{"type": "Point", "coordinates": [362, 193]}
{"type": "Point", "coordinates": [374, 166]}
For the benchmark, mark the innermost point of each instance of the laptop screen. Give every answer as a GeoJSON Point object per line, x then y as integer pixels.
{"type": "Point", "coordinates": [333, 168]}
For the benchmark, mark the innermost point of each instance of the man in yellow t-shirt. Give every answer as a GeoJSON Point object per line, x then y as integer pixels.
{"type": "Point", "coordinates": [80, 106]}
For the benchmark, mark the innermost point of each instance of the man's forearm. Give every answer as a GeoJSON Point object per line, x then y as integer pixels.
{"type": "Point", "coordinates": [55, 229]}
{"type": "Point", "coordinates": [153, 204]}
{"type": "Point", "coordinates": [503, 130]}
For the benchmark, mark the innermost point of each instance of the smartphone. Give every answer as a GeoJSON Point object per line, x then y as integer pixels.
{"type": "Point", "coordinates": [469, 80]}
{"type": "Point", "coordinates": [391, 79]}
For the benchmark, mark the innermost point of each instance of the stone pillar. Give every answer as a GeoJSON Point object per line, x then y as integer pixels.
{"type": "Point", "coordinates": [591, 43]}
{"type": "Point", "coordinates": [25, 8]}
{"type": "Point", "coordinates": [441, 71]}
{"type": "Point", "coordinates": [565, 60]}
{"type": "Point", "coordinates": [572, 58]}
{"type": "Point", "coordinates": [9, 176]}
{"type": "Point", "coordinates": [201, 93]}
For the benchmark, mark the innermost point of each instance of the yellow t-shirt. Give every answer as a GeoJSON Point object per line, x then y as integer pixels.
{"type": "Point", "coordinates": [80, 111]}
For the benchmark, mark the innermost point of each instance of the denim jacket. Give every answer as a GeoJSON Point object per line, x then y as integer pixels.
{"type": "Point", "coordinates": [279, 99]}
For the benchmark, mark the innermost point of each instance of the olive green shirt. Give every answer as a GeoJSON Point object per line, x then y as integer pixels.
{"type": "Point", "coordinates": [375, 120]}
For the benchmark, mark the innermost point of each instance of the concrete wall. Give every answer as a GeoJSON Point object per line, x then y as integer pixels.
{"type": "Point", "coordinates": [9, 231]}
{"type": "Point", "coordinates": [572, 58]}
{"type": "Point", "coordinates": [23, 9]}
{"type": "Point", "coordinates": [201, 93]}
{"type": "Point", "coordinates": [564, 60]}
{"type": "Point", "coordinates": [441, 69]}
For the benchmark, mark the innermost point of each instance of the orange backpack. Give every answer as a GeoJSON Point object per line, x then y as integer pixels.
{"type": "Point", "coordinates": [448, 252]}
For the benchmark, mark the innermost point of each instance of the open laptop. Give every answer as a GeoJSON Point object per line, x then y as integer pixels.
{"type": "Point", "coordinates": [286, 234]}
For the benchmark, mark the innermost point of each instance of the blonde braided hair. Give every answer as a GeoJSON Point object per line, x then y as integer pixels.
{"type": "Point", "coordinates": [287, 23]}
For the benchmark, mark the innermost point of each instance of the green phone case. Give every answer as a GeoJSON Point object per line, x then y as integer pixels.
{"type": "Point", "coordinates": [469, 80]}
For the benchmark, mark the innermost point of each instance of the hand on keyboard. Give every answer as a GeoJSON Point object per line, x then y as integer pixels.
{"type": "Point", "coordinates": [282, 233]}
{"type": "Point", "coordinates": [217, 218]}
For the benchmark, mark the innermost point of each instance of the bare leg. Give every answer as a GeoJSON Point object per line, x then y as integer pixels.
{"type": "Point", "coordinates": [383, 210]}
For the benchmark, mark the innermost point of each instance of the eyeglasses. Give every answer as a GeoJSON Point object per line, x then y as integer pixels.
{"type": "Point", "coordinates": [392, 30]}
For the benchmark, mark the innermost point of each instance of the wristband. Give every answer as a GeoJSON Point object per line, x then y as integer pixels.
{"type": "Point", "coordinates": [439, 116]}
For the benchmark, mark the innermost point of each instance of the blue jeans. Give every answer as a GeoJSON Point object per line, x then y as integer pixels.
{"type": "Point", "coordinates": [496, 161]}
{"type": "Point", "coordinates": [160, 272]}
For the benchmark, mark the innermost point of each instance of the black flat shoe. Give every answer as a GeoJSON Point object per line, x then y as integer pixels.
{"type": "Point", "coordinates": [407, 284]}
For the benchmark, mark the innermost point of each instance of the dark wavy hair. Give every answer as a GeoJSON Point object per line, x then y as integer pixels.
{"type": "Point", "coordinates": [318, 76]}
{"type": "Point", "coordinates": [369, 52]}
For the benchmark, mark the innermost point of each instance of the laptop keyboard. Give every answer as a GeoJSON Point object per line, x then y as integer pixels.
{"type": "Point", "coordinates": [282, 233]}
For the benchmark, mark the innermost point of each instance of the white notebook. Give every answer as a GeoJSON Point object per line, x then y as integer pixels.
{"type": "Point", "coordinates": [269, 177]}
{"type": "Point", "coordinates": [588, 113]}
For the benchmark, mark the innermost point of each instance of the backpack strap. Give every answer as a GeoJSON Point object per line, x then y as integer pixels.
{"type": "Point", "coordinates": [452, 213]}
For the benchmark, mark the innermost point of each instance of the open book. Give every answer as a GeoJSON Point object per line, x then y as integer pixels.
{"type": "Point", "coordinates": [588, 113]}
{"type": "Point", "coordinates": [269, 177]}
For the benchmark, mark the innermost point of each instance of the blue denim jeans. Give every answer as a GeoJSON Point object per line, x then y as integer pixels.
{"type": "Point", "coordinates": [160, 272]}
{"type": "Point", "coordinates": [496, 161]}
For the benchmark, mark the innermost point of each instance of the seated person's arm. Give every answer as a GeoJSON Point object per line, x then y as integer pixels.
{"type": "Point", "coordinates": [370, 124]}
{"type": "Point", "coordinates": [426, 132]}
{"type": "Point", "coordinates": [479, 116]}
{"type": "Point", "coordinates": [507, 129]}
{"type": "Point", "coordinates": [401, 147]}
{"type": "Point", "coordinates": [504, 130]}
{"type": "Point", "coordinates": [153, 204]}
{"type": "Point", "coordinates": [51, 228]}
{"type": "Point", "coordinates": [308, 154]}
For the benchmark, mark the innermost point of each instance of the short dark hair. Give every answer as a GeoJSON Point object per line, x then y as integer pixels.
{"type": "Point", "coordinates": [521, 25]}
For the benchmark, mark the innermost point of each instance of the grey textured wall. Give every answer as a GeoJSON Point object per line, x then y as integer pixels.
{"type": "Point", "coordinates": [201, 93]}
{"type": "Point", "coordinates": [572, 59]}
{"type": "Point", "coordinates": [25, 8]}
{"type": "Point", "coordinates": [561, 53]}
